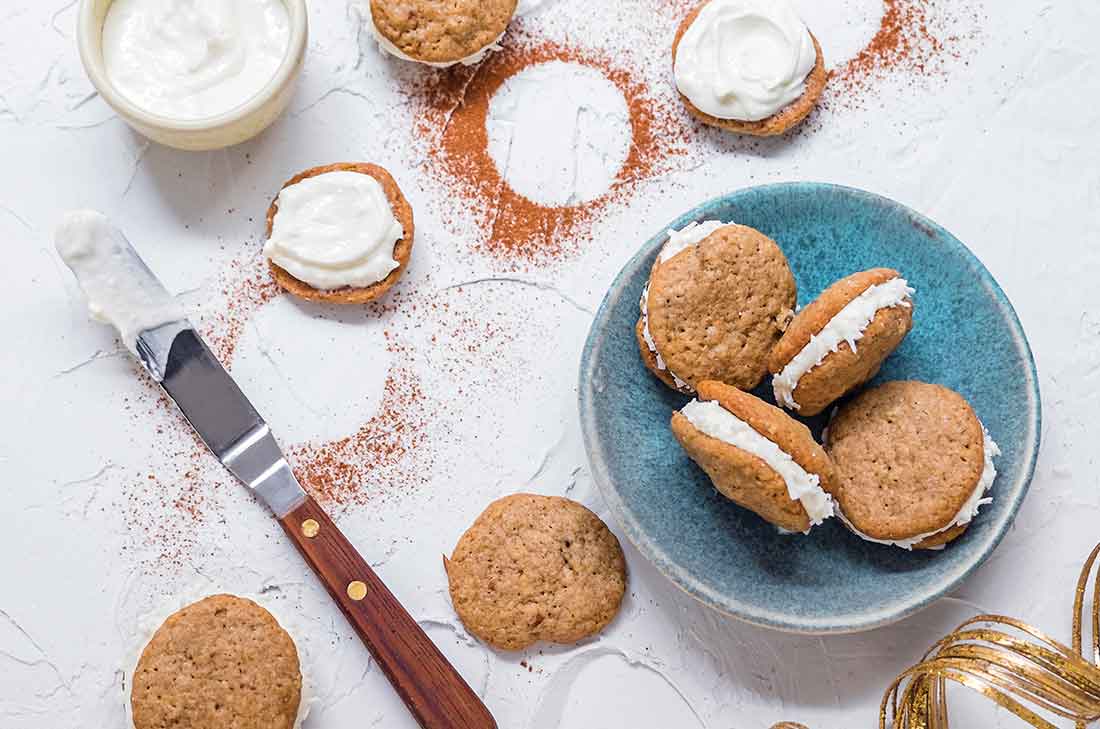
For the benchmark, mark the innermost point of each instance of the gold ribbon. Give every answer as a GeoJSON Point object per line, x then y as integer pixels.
{"type": "Point", "coordinates": [1011, 663]}
{"type": "Point", "coordinates": [1016, 666]}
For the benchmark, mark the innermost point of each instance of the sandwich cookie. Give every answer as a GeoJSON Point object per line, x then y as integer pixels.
{"type": "Point", "coordinates": [840, 341]}
{"type": "Point", "coordinates": [757, 456]}
{"type": "Point", "coordinates": [340, 234]}
{"type": "Point", "coordinates": [913, 463]}
{"type": "Point", "coordinates": [536, 568]}
{"type": "Point", "coordinates": [717, 301]}
{"type": "Point", "coordinates": [748, 66]}
{"type": "Point", "coordinates": [441, 33]}
{"type": "Point", "coordinates": [221, 662]}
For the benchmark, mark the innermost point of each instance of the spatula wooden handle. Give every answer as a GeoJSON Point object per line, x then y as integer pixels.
{"type": "Point", "coordinates": [429, 685]}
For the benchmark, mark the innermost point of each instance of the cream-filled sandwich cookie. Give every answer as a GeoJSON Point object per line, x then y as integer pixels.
{"type": "Point", "coordinates": [757, 456]}
{"type": "Point", "coordinates": [339, 234]}
{"type": "Point", "coordinates": [441, 33]}
{"type": "Point", "coordinates": [840, 341]}
{"type": "Point", "coordinates": [914, 465]}
{"type": "Point", "coordinates": [221, 662]}
{"type": "Point", "coordinates": [717, 301]}
{"type": "Point", "coordinates": [748, 66]}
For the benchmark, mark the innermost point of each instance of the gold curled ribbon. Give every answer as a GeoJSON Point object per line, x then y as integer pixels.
{"type": "Point", "coordinates": [1011, 663]}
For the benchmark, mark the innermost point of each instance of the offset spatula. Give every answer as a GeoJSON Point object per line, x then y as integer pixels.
{"type": "Point", "coordinates": [122, 290]}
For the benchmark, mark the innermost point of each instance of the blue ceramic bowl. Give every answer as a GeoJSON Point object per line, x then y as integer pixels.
{"type": "Point", "coordinates": [966, 337]}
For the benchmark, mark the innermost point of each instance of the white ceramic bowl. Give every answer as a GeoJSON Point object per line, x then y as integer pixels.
{"type": "Point", "coordinates": [216, 132]}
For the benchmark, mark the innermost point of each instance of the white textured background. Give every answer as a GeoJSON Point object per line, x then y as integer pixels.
{"type": "Point", "coordinates": [1000, 148]}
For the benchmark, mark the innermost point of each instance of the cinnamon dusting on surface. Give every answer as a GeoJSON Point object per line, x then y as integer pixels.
{"type": "Point", "coordinates": [357, 468]}
{"type": "Point", "coordinates": [914, 37]}
{"type": "Point", "coordinates": [455, 109]}
{"type": "Point", "coordinates": [245, 288]}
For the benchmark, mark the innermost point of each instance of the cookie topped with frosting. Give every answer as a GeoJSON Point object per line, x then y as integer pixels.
{"type": "Point", "coordinates": [748, 66]}
{"type": "Point", "coordinates": [840, 341]}
{"type": "Point", "coordinates": [340, 234]}
{"type": "Point", "coordinates": [441, 33]}
{"type": "Point", "coordinates": [914, 464]}
{"type": "Point", "coordinates": [757, 456]}
{"type": "Point", "coordinates": [718, 299]}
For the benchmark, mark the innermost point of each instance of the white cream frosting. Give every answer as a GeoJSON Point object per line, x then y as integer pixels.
{"type": "Point", "coordinates": [715, 421]}
{"type": "Point", "coordinates": [335, 230]}
{"type": "Point", "coordinates": [744, 59]}
{"type": "Point", "coordinates": [966, 514]}
{"type": "Point", "coordinates": [678, 241]}
{"type": "Point", "coordinates": [848, 325]}
{"type": "Point", "coordinates": [194, 59]}
{"type": "Point", "coordinates": [692, 235]}
{"type": "Point", "coordinates": [387, 46]}
{"type": "Point", "coordinates": [119, 289]}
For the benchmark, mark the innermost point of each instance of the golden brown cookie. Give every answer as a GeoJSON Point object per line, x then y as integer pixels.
{"type": "Point", "coordinates": [781, 122]}
{"type": "Point", "coordinates": [716, 309]}
{"type": "Point", "coordinates": [843, 369]}
{"type": "Point", "coordinates": [745, 466]}
{"type": "Point", "coordinates": [221, 663]}
{"type": "Point", "coordinates": [536, 568]}
{"type": "Point", "coordinates": [912, 460]}
{"type": "Point", "coordinates": [441, 31]}
{"type": "Point", "coordinates": [402, 251]}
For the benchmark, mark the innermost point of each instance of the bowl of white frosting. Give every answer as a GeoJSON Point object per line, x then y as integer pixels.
{"type": "Point", "coordinates": [194, 74]}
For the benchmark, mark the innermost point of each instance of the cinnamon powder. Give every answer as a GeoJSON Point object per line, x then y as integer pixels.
{"type": "Point", "coordinates": [355, 469]}
{"type": "Point", "coordinates": [913, 38]}
{"type": "Point", "coordinates": [454, 111]}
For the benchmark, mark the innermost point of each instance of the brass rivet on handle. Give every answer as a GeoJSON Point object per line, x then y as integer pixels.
{"type": "Point", "coordinates": [310, 528]}
{"type": "Point", "coordinates": [357, 591]}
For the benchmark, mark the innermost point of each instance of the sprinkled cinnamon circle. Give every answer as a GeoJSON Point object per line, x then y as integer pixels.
{"type": "Point", "coordinates": [515, 228]}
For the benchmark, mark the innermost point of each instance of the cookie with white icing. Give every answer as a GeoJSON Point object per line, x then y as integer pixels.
{"type": "Point", "coordinates": [339, 234]}
{"type": "Point", "coordinates": [748, 66]}
{"type": "Point", "coordinates": [840, 341]}
{"type": "Point", "coordinates": [914, 465]}
{"type": "Point", "coordinates": [717, 301]}
{"type": "Point", "coordinates": [757, 456]}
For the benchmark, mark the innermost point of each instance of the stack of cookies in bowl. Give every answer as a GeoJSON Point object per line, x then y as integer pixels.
{"type": "Point", "coordinates": [905, 464]}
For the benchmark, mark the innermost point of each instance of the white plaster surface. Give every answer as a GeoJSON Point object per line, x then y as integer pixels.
{"type": "Point", "coordinates": [1001, 149]}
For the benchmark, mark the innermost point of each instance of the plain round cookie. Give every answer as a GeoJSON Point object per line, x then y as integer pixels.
{"type": "Point", "coordinates": [402, 251]}
{"type": "Point", "coordinates": [221, 663]}
{"type": "Point", "coordinates": [717, 309]}
{"type": "Point", "coordinates": [441, 31]}
{"type": "Point", "coordinates": [779, 123]}
{"type": "Point", "coordinates": [844, 370]}
{"type": "Point", "coordinates": [908, 456]}
{"type": "Point", "coordinates": [536, 568]}
{"type": "Point", "coordinates": [745, 478]}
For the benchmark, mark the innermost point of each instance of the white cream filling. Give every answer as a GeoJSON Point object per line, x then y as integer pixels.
{"type": "Point", "coordinates": [335, 230]}
{"type": "Point", "coordinates": [966, 514]}
{"type": "Point", "coordinates": [678, 241]}
{"type": "Point", "coordinates": [744, 59]}
{"type": "Point", "coordinates": [193, 59]}
{"type": "Point", "coordinates": [387, 46]}
{"type": "Point", "coordinates": [715, 421]}
{"type": "Point", "coordinates": [148, 624]}
{"type": "Point", "coordinates": [848, 325]}
{"type": "Point", "coordinates": [692, 235]}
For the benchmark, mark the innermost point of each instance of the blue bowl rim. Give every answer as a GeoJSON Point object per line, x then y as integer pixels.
{"type": "Point", "coordinates": [727, 604]}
